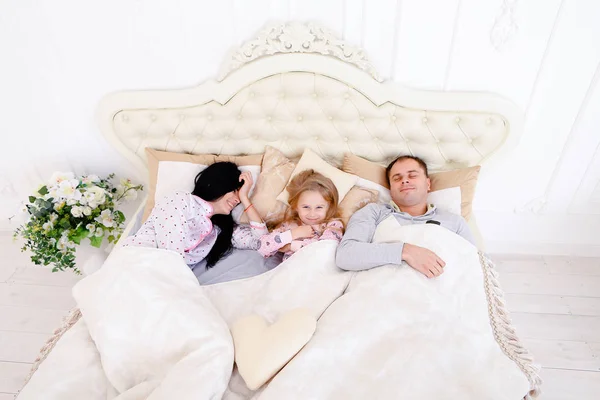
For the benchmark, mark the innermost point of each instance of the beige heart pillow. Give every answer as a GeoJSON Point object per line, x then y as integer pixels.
{"type": "Point", "coordinates": [262, 350]}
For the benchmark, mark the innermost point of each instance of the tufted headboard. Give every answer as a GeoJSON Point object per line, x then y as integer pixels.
{"type": "Point", "coordinates": [297, 86]}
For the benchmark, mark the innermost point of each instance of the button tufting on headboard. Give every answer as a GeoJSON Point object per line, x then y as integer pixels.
{"type": "Point", "coordinates": [294, 101]}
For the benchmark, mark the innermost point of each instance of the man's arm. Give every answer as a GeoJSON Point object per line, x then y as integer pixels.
{"type": "Point", "coordinates": [356, 252]}
{"type": "Point", "coordinates": [465, 231]}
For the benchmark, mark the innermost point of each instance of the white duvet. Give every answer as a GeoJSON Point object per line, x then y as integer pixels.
{"type": "Point", "coordinates": [396, 334]}
{"type": "Point", "coordinates": [149, 331]}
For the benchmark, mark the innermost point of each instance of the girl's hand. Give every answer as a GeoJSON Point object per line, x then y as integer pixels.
{"type": "Point", "coordinates": [285, 248]}
{"type": "Point", "coordinates": [245, 189]}
{"type": "Point", "coordinates": [319, 229]}
{"type": "Point", "coordinates": [302, 232]}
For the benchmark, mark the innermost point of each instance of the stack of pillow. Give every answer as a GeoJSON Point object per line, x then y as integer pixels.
{"type": "Point", "coordinates": [358, 182]}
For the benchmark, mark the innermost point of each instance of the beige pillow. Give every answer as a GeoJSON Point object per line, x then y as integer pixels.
{"type": "Point", "coordinates": [274, 175]}
{"type": "Point", "coordinates": [154, 157]}
{"type": "Point", "coordinates": [466, 178]}
{"type": "Point", "coordinates": [310, 160]}
{"type": "Point", "coordinates": [262, 350]}
{"type": "Point", "coordinates": [356, 199]}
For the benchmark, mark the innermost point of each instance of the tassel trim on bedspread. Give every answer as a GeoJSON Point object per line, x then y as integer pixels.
{"type": "Point", "coordinates": [504, 333]}
{"type": "Point", "coordinates": [68, 322]}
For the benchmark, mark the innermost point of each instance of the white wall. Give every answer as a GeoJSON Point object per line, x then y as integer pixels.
{"type": "Point", "coordinates": [60, 57]}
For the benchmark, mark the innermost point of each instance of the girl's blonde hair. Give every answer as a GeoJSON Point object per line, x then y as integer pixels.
{"type": "Point", "coordinates": [310, 180]}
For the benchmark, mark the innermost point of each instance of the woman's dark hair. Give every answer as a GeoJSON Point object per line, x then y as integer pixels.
{"type": "Point", "coordinates": [214, 182]}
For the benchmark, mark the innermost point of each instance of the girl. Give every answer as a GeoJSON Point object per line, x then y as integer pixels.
{"type": "Point", "coordinates": [312, 216]}
{"type": "Point", "coordinates": [198, 225]}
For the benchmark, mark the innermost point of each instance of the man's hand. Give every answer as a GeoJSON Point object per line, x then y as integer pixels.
{"type": "Point", "coordinates": [423, 260]}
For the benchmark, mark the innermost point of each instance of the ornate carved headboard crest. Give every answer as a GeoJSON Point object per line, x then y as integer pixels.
{"type": "Point", "coordinates": [295, 37]}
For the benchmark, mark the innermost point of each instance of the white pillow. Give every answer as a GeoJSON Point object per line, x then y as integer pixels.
{"type": "Point", "coordinates": [384, 193]}
{"type": "Point", "coordinates": [446, 199]}
{"type": "Point", "coordinates": [175, 176]}
{"type": "Point", "coordinates": [343, 181]}
{"type": "Point", "coordinates": [449, 199]}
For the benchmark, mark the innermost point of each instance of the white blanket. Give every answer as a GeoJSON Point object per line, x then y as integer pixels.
{"type": "Point", "coordinates": [397, 334]}
{"type": "Point", "coordinates": [149, 331]}
{"type": "Point", "coordinates": [157, 335]}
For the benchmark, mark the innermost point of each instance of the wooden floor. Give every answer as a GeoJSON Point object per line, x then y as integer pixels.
{"type": "Point", "coordinates": [555, 304]}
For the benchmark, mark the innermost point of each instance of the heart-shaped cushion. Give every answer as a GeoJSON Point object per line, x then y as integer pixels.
{"type": "Point", "coordinates": [262, 350]}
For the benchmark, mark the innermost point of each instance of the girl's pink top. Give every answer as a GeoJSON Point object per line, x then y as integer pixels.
{"type": "Point", "coordinates": [282, 235]}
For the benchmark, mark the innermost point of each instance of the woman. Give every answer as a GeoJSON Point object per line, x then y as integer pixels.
{"type": "Point", "coordinates": [199, 225]}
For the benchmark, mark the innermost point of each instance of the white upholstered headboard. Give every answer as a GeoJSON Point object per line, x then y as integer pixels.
{"type": "Point", "coordinates": [298, 86]}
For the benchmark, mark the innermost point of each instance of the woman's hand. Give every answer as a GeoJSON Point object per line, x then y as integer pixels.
{"type": "Point", "coordinates": [302, 232]}
{"type": "Point", "coordinates": [245, 189]}
{"type": "Point", "coordinates": [243, 193]}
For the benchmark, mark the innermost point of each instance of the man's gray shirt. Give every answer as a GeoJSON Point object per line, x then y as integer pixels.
{"type": "Point", "coordinates": [356, 251]}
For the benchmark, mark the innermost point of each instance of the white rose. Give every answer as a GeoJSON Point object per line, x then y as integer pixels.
{"type": "Point", "coordinates": [86, 210]}
{"type": "Point", "coordinates": [76, 211]}
{"type": "Point", "coordinates": [95, 196]}
{"type": "Point", "coordinates": [106, 219]}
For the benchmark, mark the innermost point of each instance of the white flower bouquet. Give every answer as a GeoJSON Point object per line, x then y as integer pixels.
{"type": "Point", "coordinates": [70, 209]}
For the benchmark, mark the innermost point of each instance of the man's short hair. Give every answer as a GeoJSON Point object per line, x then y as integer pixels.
{"type": "Point", "coordinates": [407, 157]}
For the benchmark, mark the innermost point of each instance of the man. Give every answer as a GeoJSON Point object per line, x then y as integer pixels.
{"type": "Point", "coordinates": [409, 185]}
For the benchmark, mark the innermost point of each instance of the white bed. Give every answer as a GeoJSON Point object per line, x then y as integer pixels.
{"type": "Point", "coordinates": [297, 86]}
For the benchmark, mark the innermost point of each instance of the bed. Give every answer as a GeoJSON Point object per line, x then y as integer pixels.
{"type": "Point", "coordinates": [294, 87]}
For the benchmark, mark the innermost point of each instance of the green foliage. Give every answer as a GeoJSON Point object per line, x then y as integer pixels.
{"type": "Point", "coordinates": [69, 211]}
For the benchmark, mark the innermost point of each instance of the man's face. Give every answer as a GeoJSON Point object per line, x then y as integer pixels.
{"type": "Point", "coordinates": [408, 184]}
